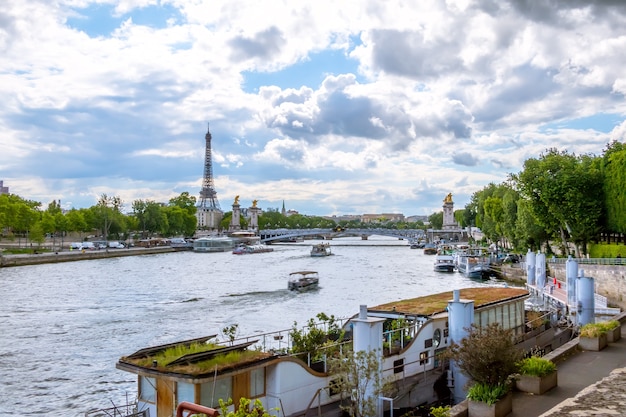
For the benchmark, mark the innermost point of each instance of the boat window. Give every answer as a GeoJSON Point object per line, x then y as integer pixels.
{"type": "Point", "coordinates": [398, 366]}
{"type": "Point", "coordinates": [257, 383]}
{"type": "Point", "coordinates": [210, 396]}
{"type": "Point", "coordinates": [436, 337]}
{"type": "Point", "coordinates": [147, 389]}
{"type": "Point", "coordinates": [185, 392]}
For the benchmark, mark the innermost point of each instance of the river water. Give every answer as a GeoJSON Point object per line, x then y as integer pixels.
{"type": "Point", "coordinates": [64, 326]}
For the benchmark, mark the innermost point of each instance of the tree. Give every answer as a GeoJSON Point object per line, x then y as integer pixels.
{"type": "Point", "coordinates": [613, 167]}
{"type": "Point", "coordinates": [76, 221]}
{"type": "Point", "coordinates": [185, 202]}
{"type": "Point", "coordinates": [358, 381]}
{"type": "Point", "coordinates": [487, 355]}
{"type": "Point", "coordinates": [565, 195]}
{"type": "Point", "coordinates": [107, 213]}
{"type": "Point", "coordinates": [436, 220]}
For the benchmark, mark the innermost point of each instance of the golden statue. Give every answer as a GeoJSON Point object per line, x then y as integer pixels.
{"type": "Point", "coordinates": [254, 203]}
{"type": "Point", "coordinates": [236, 200]}
{"type": "Point", "coordinates": [448, 198]}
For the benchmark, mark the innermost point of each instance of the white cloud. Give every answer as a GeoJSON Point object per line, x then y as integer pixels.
{"type": "Point", "coordinates": [433, 97]}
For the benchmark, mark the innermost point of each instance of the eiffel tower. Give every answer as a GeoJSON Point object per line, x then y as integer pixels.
{"type": "Point", "coordinates": [209, 213]}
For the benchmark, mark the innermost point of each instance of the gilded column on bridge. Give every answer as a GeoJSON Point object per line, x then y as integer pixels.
{"type": "Point", "coordinates": [253, 213]}
{"type": "Point", "coordinates": [235, 220]}
{"type": "Point", "coordinates": [448, 214]}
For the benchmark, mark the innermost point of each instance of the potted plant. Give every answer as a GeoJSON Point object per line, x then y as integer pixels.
{"type": "Point", "coordinates": [592, 336]}
{"type": "Point", "coordinates": [613, 330]}
{"type": "Point", "coordinates": [489, 357]}
{"type": "Point", "coordinates": [536, 375]}
{"type": "Point", "coordinates": [489, 400]}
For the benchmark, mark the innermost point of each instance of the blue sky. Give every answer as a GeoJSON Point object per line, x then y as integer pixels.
{"type": "Point", "coordinates": [335, 108]}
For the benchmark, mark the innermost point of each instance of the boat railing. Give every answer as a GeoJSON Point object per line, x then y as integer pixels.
{"type": "Point", "coordinates": [279, 341]}
{"type": "Point", "coordinates": [590, 261]}
{"type": "Point", "coordinates": [127, 410]}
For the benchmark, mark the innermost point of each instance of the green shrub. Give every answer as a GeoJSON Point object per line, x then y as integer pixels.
{"type": "Point", "coordinates": [536, 366]}
{"type": "Point", "coordinates": [441, 411]}
{"type": "Point", "coordinates": [609, 325]}
{"type": "Point", "coordinates": [489, 394]}
{"type": "Point", "coordinates": [592, 330]}
{"type": "Point", "coordinates": [487, 355]}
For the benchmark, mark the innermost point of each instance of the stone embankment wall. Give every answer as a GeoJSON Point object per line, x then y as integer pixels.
{"type": "Point", "coordinates": [70, 256]}
{"type": "Point", "coordinates": [610, 280]}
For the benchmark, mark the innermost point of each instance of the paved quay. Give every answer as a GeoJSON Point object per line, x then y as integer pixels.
{"type": "Point", "coordinates": [589, 384]}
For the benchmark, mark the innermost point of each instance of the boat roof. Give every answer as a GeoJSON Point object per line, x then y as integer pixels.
{"type": "Point", "coordinates": [198, 357]}
{"type": "Point", "coordinates": [303, 273]}
{"type": "Point", "coordinates": [437, 303]}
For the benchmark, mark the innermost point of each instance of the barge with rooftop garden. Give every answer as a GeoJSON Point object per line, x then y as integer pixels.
{"type": "Point", "coordinates": [408, 338]}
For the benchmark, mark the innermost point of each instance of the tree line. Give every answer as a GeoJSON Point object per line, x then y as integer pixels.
{"type": "Point", "coordinates": [559, 198]}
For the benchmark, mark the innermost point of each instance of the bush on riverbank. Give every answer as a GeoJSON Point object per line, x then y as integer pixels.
{"type": "Point", "coordinates": [605, 250]}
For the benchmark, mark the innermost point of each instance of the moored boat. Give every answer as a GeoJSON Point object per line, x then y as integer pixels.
{"type": "Point", "coordinates": [303, 280]}
{"type": "Point", "coordinates": [444, 263]}
{"type": "Point", "coordinates": [474, 264]}
{"type": "Point", "coordinates": [214, 244]}
{"type": "Point", "coordinates": [321, 249]}
{"type": "Point", "coordinates": [410, 336]}
{"type": "Point", "coordinates": [430, 249]}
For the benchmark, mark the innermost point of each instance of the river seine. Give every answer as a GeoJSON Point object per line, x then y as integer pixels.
{"type": "Point", "coordinates": [64, 326]}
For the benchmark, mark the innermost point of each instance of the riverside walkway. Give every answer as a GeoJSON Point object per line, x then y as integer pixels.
{"type": "Point", "coordinates": [589, 384]}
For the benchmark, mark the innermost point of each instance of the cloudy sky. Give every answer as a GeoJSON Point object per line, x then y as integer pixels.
{"type": "Point", "coordinates": [335, 107]}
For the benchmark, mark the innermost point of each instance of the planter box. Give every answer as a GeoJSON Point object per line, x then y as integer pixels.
{"type": "Point", "coordinates": [592, 343]}
{"type": "Point", "coordinates": [614, 335]}
{"type": "Point", "coordinates": [499, 409]}
{"type": "Point", "coordinates": [536, 384]}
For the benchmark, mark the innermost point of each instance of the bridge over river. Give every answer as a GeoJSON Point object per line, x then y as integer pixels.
{"type": "Point", "coordinates": [273, 235]}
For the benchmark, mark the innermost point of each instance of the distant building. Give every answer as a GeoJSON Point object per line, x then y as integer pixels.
{"type": "Point", "coordinates": [384, 217]}
{"type": "Point", "coordinates": [3, 189]}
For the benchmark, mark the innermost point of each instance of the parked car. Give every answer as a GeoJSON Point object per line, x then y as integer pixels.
{"type": "Point", "coordinates": [116, 245]}
{"type": "Point", "coordinates": [511, 258]}
{"type": "Point", "coordinates": [88, 245]}
{"type": "Point", "coordinates": [76, 245]}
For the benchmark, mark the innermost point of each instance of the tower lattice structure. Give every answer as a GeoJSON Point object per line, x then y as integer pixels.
{"type": "Point", "coordinates": [209, 211]}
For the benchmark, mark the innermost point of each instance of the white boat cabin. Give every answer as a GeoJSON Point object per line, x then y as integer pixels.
{"type": "Point", "coordinates": [409, 334]}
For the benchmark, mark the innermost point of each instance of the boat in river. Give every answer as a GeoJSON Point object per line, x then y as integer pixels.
{"type": "Point", "coordinates": [251, 249]}
{"type": "Point", "coordinates": [303, 281]}
{"type": "Point", "coordinates": [474, 263]}
{"type": "Point", "coordinates": [407, 336]}
{"type": "Point", "coordinates": [321, 249]}
{"type": "Point", "coordinates": [444, 259]}
{"type": "Point", "coordinates": [444, 263]}
{"type": "Point", "coordinates": [430, 249]}
{"type": "Point", "coordinates": [225, 243]}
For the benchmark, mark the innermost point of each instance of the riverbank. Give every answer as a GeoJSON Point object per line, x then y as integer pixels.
{"type": "Point", "coordinates": [77, 255]}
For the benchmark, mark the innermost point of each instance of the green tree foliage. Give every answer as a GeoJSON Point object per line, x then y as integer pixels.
{"type": "Point", "coordinates": [358, 381]}
{"type": "Point", "coordinates": [614, 174]}
{"type": "Point", "coordinates": [107, 215]}
{"type": "Point", "coordinates": [436, 220]}
{"type": "Point", "coordinates": [565, 195]}
{"type": "Point", "coordinates": [181, 215]}
{"type": "Point", "coordinates": [244, 409]}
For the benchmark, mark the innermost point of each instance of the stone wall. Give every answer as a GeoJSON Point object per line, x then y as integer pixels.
{"type": "Point", "coordinates": [610, 280]}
